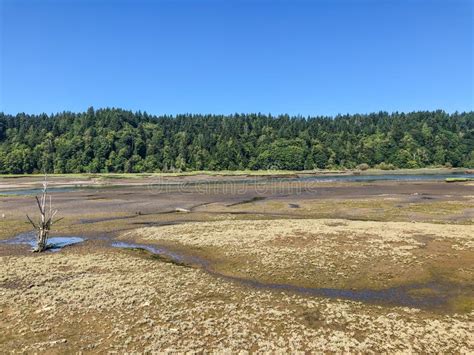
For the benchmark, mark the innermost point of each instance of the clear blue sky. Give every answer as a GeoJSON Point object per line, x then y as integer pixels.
{"type": "Point", "coordinates": [216, 56]}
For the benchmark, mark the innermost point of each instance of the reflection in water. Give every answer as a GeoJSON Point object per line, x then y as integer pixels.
{"type": "Point", "coordinates": [54, 243]}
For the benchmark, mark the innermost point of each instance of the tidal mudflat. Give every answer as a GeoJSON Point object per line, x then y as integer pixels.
{"type": "Point", "coordinates": [231, 267]}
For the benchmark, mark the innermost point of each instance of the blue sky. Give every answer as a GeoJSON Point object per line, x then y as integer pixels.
{"type": "Point", "coordinates": [216, 56]}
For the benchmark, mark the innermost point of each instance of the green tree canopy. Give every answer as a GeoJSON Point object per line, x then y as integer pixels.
{"type": "Point", "coordinates": [114, 140]}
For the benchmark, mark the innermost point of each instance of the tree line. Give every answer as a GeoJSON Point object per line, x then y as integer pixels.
{"type": "Point", "coordinates": [115, 140]}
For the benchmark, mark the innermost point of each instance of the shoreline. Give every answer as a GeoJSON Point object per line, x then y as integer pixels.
{"type": "Point", "coordinates": [316, 172]}
{"type": "Point", "coordinates": [57, 181]}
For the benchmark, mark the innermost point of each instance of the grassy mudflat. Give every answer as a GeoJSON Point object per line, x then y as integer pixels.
{"type": "Point", "coordinates": [345, 236]}
{"type": "Point", "coordinates": [97, 301]}
{"type": "Point", "coordinates": [330, 253]}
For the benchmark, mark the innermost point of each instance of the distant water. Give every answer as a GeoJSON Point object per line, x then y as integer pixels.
{"type": "Point", "coordinates": [38, 191]}
{"type": "Point", "coordinates": [385, 177]}
{"type": "Point", "coordinates": [261, 180]}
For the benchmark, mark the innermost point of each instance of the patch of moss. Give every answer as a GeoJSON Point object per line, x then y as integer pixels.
{"type": "Point", "coordinates": [458, 179]}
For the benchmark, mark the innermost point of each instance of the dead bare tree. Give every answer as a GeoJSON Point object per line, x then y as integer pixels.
{"type": "Point", "coordinates": [46, 219]}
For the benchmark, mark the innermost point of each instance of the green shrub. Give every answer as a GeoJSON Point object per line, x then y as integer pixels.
{"type": "Point", "coordinates": [385, 166]}
{"type": "Point", "coordinates": [363, 166]}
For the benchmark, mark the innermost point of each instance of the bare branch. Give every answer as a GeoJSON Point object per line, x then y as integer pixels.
{"type": "Point", "coordinates": [43, 227]}
{"type": "Point", "coordinates": [43, 202]}
{"type": "Point", "coordinates": [39, 204]}
{"type": "Point", "coordinates": [56, 221]}
{"type": "Point", "coordinates": [32, 223]}
{"type": "Point", "coordinates": [51, 215]}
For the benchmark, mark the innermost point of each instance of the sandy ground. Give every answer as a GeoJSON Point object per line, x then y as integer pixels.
{"type": "Point", "coordinates": [360, 236]}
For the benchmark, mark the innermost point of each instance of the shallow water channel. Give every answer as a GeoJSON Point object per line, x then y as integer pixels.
{"type": "Point", "coordinates": [437, 297]}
